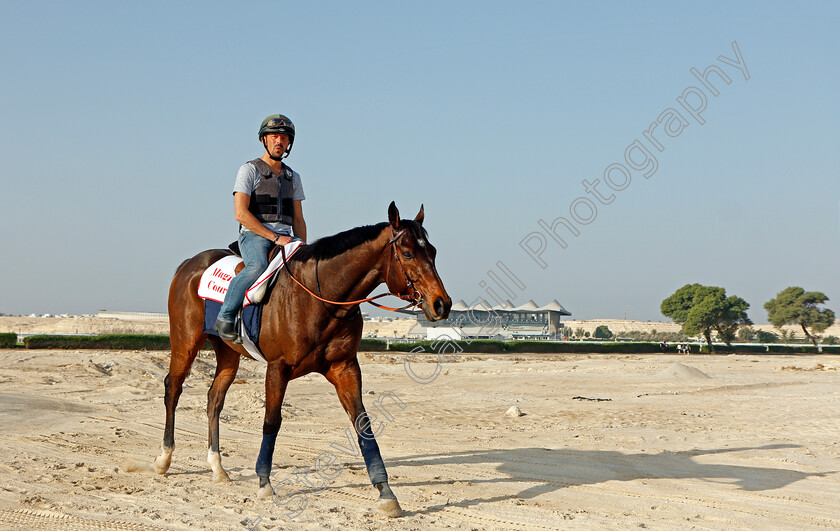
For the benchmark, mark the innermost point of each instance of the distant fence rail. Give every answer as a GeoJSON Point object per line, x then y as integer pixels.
{"type": "Point", "coordinates": [448, 348]}
{"type": "Point", "coordinates": [132, 316]}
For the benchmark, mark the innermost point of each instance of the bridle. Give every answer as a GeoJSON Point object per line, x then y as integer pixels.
{"type": "Point", "coordinates": [409, 294]}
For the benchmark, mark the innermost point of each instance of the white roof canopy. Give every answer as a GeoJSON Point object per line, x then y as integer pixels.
{"type": "Point", "coordinates": [482, 305]}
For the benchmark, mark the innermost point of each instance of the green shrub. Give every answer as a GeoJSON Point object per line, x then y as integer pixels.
{"type": "Point", "coordinates": [581, 347]}
{"type": "Point", "coordinates": [750, 349]}
{"type": "Point", "coordinates": [765, 337]}
{"type": "Point", "coordinates": [514, 347]}
{"type": "Point", "coordinates": [373, 345]}
{"type": "Point", "coordinates": [654, 336]}
{"type": "Point", "coordinates": [602, 332]}
{"type": "Point", "coordinates": [735, 349]}
{"type": "Point", "coordinates": [115, 342]}
{"type": "Point", "coordinates": [160, 342]}
{"type": "Point", "coordinates": [8, 340]}
{"type": "Point", "coordinates": [746, 333]}
{"type": "Point", "coordinates": [771, 349]}
{"type": "Point", "coordinates": [543, 347]}
{"type": "Point", "coordinates": [449, 347]}
{"type": "Point", "coordinates": [798, 349]}
{"type": "Point", "coordinates": [482, 346]}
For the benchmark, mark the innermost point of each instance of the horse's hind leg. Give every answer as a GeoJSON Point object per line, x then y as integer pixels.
{"type": "Point", "coordinates": [347, 379]}
{"type": "Point", "coordinates": [183, 355]}
{"type": "Point", "coordinates": [227, 363]}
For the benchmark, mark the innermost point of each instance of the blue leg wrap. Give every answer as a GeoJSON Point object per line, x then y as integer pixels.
{"type": "Point", "coordinates": [266, 455]}
{"type": "Point", "coordinates": [373, 459]}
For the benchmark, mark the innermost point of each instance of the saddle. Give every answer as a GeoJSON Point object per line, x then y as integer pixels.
{"type": "Point", "coordinates": [216, 278]}
{"type": "Point", "coordinates": [214, 283]}
{"type": "Point", "coordinates": [234, 248]}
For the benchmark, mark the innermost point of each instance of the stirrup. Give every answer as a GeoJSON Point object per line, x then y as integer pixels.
{"type": "Point", "coordinates": [237, 326]}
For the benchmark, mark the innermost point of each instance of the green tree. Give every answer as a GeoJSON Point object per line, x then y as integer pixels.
{"type": "Point", "coordinates": [702, 309]}
{"type": "Point", "coordinates": [602, 332]}
{"type": "Point", "coordinates": [795, 306]}
{"type": "Point", "coordinates": [766, 337]}
{"type": "Point", "coordinates": [746, 333]}
{"type": "Point", "coordinates": [787, 336]}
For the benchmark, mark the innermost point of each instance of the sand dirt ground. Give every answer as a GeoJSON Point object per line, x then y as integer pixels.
{"type": "Point", "coordinates": [719, 442]}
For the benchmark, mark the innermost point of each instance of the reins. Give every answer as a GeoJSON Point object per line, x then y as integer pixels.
{"type": "Point", "coordinates": [346, 317]}
{"type": "Point", "coordinates": [414, 297]}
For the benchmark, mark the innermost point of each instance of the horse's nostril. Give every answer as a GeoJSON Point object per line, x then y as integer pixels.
{"type": "Point", "coordinates": [440, 306]}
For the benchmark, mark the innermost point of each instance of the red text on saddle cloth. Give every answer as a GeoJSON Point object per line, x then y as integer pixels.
{"type": "Point", "coordinates": [216, 278]}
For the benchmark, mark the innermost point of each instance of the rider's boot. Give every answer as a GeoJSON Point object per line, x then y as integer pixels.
{"type": "Point", "coordinates": [226, 330]}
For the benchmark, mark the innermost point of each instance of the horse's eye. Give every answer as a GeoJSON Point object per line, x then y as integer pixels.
{"type": "Point", "coordinates": [407, 255]}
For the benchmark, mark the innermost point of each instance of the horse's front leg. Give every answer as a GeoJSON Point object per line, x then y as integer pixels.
{"type": "Point", "coordinates": [276, 380]}
{"type": "Point", "coordinates": [347, 379]}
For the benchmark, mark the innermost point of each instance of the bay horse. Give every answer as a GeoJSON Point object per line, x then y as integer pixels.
{"type": "Point", "coordinates": [301, 335]}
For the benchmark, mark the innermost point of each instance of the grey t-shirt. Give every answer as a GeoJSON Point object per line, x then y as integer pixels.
{"type": "Point", "coordinates": [247, 179]}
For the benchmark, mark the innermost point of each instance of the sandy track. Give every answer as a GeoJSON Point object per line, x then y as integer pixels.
{"type": "Point", "coordinates": [756, 445]}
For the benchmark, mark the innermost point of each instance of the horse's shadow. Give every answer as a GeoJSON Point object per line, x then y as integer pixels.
{"type": "Point", "coordinates": [548, 470]}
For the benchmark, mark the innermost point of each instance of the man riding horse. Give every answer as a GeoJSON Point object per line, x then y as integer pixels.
{"type": "Point", "coordinates": [311, 323]}
{"type": "Point", "coordinates": [301, 332]}
{"type": "Point", "coordinates": [267, 200]}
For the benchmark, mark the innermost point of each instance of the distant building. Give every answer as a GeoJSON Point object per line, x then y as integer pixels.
{"type": "Point", "coordinates": [504, 322]}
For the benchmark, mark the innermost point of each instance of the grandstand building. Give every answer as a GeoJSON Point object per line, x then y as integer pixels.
{"type": "Point", "coordinates": [504, 322]}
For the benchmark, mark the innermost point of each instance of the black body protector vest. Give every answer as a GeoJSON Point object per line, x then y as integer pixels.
{"type": "Point", "coordinates": [264, 204]}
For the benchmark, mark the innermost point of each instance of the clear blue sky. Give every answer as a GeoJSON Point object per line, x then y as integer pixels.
{"type": "Point", "coordinates": [123, 125]}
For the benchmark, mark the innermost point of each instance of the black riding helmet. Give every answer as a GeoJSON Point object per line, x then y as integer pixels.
{"type": "Point", "coordinates": [278, 123]}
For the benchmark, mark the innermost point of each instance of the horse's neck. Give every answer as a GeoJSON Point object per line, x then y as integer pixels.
{"type": "Point", "coordinates": [353, 275]}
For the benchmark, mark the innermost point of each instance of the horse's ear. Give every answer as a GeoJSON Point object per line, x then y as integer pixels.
{"type": "Point", "coordinates": [394, 215]}
{"type": "Point", "coordinates": [420, 216]}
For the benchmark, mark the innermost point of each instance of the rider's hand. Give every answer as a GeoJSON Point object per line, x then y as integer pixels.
{"type": "Point", "coordinates": [282, 240]}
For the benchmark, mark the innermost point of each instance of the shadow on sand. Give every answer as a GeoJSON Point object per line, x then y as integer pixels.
{"type": "Point", "coordinates": [553, 470]}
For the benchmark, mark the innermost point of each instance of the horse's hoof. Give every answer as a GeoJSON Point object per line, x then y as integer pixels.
{"type": "Point", "coordinates": [265, 492]}
{"type": "Point", "coordinates": [215, 462]}
{"type": "Point", "coordinates": [390, 508]}
{"type": "Point", "coordinates": [162, 462]}
{"type": "Point", "coordinates": [161, 465]}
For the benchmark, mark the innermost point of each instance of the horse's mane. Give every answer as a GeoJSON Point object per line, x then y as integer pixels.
{"type": "Point", "coordinates": [332, 246]}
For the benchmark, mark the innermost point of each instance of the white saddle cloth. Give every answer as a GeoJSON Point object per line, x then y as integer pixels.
{"type": "Point", "coordinates": [216, 279]}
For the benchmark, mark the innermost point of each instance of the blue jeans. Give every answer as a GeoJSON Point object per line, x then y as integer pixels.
{"type": "Point", "coordinates": [254, 250]}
